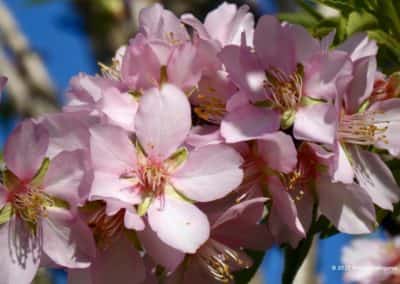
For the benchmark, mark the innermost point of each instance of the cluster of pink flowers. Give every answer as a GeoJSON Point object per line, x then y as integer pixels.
{"type": "Point", "coordinates": [372, 261]}
{"type": "Point", "coordinates": [201, 140]}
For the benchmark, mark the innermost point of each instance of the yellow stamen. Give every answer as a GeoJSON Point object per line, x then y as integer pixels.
{"type": "Point", "coordinates": [286, 90]}
{"type": "Point", "coordinates": [362, 129]}
{"type": "Point", "coordinates": [210, 108]}
{"type": "Point", "coordinates": [30, 205]}
{"type": "Point", "coordinates": [220, 260]}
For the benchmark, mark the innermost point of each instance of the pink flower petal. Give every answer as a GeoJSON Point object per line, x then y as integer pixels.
{"type": "Point", "coordinates": [227, 23]}
{"type": "Point", "coordinates": [20, 253]}
{"type": "Point", "coordinates": [248, 123]}
{"type": "Point", "coordinates": [210, 173]}
{"type": "Point", "coordinates": [324, 74]}
{"type": "Point", "coordinates": [67, 240]}
{"type": "Point", "coordinates": [278, 151]}
{"type": "Point", "coordinates": [375, 177]}
{"type": "Point", "coordinates": [120, 107]}
{"type": "Point", "coordinates": [106, 186]}
{"type": "Point", "coordinates": [68, 131]}
{"type": "Point", "coordinates": [111, 149]}
{"type": "Point", "coordinates": [359, 46]}
{"type": "Point", "coordinates": [158, 23]}
{"type": "Point", "coordinates": [163, 121]}
{"type": "Point", "coordinates": [201, 136]}
{"type": "Point", "coordinates": [388, 112]}
{"type": "Point", "coordinates": [271, 40]}
{"type": "Point", "coordinates": [244, 217]}
{"type": "Point", "coordinates": [342, 170]}
{"type": "Point", "coordinates": [179, 224]}
{"type": "Point", "coordinates": [184, 68]}
{"type": "Point", "coordinates": [160, 252]}
{"type": "Point", "coordinates": [140, 66]}
{"type": "Point", "coordinates": [316, 123]}
{"type": "Point", "coordinates": [245, 70]}
{"type": "Point", "coordinates": [198, 26]}
{"type": "Point", "coordinates": [283, 221]}
{"type": "Point", "coordinates": [25, 149]}
{"type": "Point", "coordinates": [305, 44]}
{"type": "Point", "coordinates": [348, 207]}
{"type": "Point", "coordinates": [65, 175]}
{"type": "Point", "coordinates": [362, 85]}
{"type": "Point", "coordinates": [120, 253]}
{"type": "Point", "coordinates": [132, 221]}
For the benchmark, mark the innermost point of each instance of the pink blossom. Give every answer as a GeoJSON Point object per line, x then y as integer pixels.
{"type": "Point", "coordinates": [282, 81]}
{"type": "Point", "coordinates": [161, 52]}
{"type": "Point", "coordinates": [222, 254]}
{"type": "Point", "coordinates": [146, 64]}
{"type": "Point", "coordinates": [356, 124]}
{"type": "Point", "coordinates": [225, 25]}
{"type": "Point", "coordinates": [160, 177]}
{"type": "Point", "coordinates": [117, 258]}
{"type": "Point", "coordinates": [371, 261]}
{"type": "Point", "coordinates": [38, 200]}
{"type": "Point", "coordinates": [102, 97]}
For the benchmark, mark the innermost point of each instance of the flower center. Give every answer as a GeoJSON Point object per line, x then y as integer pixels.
{"type": "Point", "coordinates": [295, 183]}
{"type": "Point", "coordinates": [286, 90]}
{"type": "Point", "coordinates": [30, 204]}
{"type": "Point", "coordinates": [105, 228]}
{"type": "Point", "coordinates": [299, 180]}
{"type": "Point", "coordinates": [210, 108]}
{"type": "Point", "coordinates": [219, 260]}
{"type": "Point", "coordinates": [153, 178]}
{"type": "Point", "coordinates": [362, 128]}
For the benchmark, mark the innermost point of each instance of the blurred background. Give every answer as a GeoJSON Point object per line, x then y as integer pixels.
{"type": "Point", "coordinates": [45, 42]}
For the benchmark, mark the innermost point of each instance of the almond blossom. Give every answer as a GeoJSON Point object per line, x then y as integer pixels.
{"type": "Point", "coordinates": [158, 176]}
{"type": "Point", "coordinates": [280, 81]}
{"type": "Point", "coordinates": [372, 261]}
{"type": "Point", "coordinates": [222, 253]}
{"type": "Point", "coordinates": [357, 123]}
{"type": "Point", "coordinates": [38, 198]}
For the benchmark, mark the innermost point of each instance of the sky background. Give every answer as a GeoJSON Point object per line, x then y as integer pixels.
{"type": "Point", "coordinates": [55, 30]}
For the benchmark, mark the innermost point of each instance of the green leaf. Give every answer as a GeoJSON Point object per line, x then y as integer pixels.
{"type": "Point", "coordinates": [360, 21]}
{"type": "Point", "coordinates": [387, 40]}
{"type": "Point", "coordinates": [177, 159]}
{"type": "Point", "coordinates": [389, 14]}
{"type": "Point", "coordinates": [6, 213]}
{"type": "Point", "coordinates": [311, 11]}
{"type": "Point", "coordinates": [344, 6]}
{"type": "Point", "coordinates": [244, 276]}
{"type": "Point", "coordinates": [299, 18]}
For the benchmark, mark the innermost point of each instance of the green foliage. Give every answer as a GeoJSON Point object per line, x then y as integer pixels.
{"type": "Point", "coordinates": [379, 18]}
